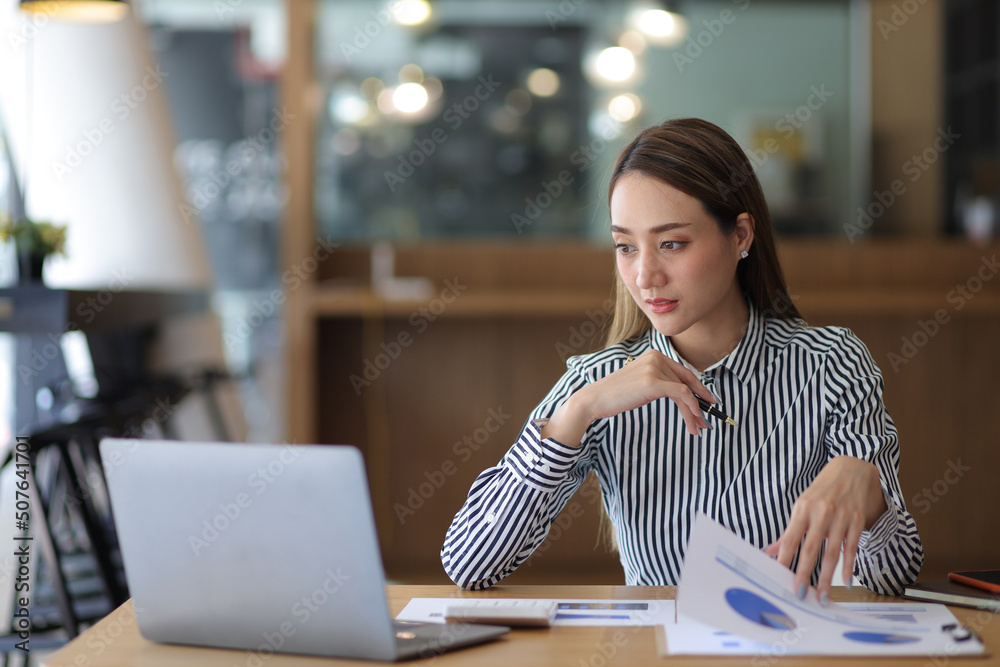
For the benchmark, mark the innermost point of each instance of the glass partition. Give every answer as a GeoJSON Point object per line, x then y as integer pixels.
{"type": "Point", "coordinates": [490, 118]}
{"type": "Point", "coordinates": [222, 63]}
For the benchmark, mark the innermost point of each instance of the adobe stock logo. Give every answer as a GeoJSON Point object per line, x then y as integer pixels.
{"type": "Point", "coordinates": [420, 320]}
{"type": "Point", "coordinates": [899, 17]}
{"type": "Point", "coordinates": [122, 106]}
{"type": "Point", "coordinates": [699, 42]}
{"type": "Point", "coordinates": [958, 297]}
{"type": "Point", "coordinates": [913, 169]}
{"type": "Point", "coordinates": [455, 116]}
{"type": "Point", "coordinates": [435, 478]}
{"type": "Point", "coordinates": [932, 494]}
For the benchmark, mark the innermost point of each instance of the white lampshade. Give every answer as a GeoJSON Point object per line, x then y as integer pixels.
{"type": "Point", "coordinates": [96, 152]}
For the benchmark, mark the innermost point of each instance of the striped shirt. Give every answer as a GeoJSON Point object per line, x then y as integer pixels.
{"type": "Point", "coordinates": [801, 395]}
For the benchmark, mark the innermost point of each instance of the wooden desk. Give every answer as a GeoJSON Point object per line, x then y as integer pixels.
{"type": "Point", "coordinates": [115, 641]}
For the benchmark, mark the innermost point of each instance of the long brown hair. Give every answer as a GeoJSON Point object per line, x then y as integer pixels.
{"type": "Point", "coordinates": [701, 160]}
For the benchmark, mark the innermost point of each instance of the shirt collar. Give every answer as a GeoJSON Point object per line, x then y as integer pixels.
{"type": "Point", "coordinates": [743, 361]}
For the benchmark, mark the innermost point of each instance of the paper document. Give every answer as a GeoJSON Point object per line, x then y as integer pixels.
{"type": "Point", "coordinates": [736, 599]}
{"type": "Point", "coordinates": [571, 612]}
{"type": "Point", "coordinates": [690, 637]}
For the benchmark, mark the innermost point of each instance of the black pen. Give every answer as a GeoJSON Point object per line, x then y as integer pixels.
{"type": "Point", "coordinates": [714, 411]}
{"type": "Point", "coordinates": [705, 405]}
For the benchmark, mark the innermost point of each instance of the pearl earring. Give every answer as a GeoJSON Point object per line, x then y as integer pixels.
{"type": "Point", "coordinates": [744, 254]}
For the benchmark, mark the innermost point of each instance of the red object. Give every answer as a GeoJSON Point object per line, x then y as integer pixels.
{"type": "Point", "coordinates": [988, 580]}
{"type": "Point", "coordinates": [249, 66]}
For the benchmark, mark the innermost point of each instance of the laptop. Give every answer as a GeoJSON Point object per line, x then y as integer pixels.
{"type": "Point", "coordinates": [264, 548]}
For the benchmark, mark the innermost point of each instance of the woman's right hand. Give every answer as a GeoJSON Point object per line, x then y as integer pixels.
{"type": "Point", "coordinates": [649, 377]}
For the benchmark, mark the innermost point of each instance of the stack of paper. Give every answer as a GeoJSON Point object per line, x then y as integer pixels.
{"type": "Point", "coordinates": [735, 600]}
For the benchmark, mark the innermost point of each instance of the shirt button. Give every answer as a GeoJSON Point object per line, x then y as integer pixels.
{"type": "Point", "coordinates": [544, 467]}
{"type": "Point", "coordinates": [490, 517]}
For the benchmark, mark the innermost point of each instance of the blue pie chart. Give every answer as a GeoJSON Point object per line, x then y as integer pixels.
{"type": "Point", "coordinates": [879, 638]}
{"type": "Point", "coordinates": [754, 608]}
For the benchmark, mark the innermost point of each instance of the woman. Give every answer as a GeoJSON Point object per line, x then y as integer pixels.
{"type": "Point", "coordinates": [702, 308]}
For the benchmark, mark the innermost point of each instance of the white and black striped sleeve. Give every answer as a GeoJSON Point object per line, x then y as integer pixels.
{"type": "Point", "coordinates": [511, 506]}
{"type": "Point", "coordinates": [890, 553]}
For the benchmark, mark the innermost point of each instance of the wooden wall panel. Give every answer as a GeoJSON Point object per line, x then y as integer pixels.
{"type": "Point", "coordinates": [946, 405]}
{"type": "Point", "coordinates": [449, 405]}
{"type": "Point", "coordinates": [297, 233]}
{"type": "Point", "coordinates": [907, 110]}
{"type": "Point", "coordinates": [494, 349]}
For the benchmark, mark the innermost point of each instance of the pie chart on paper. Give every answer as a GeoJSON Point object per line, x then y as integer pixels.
{"type": "Point", "coordinates": [880, 638]}
{"type": "Point", "coordinates": [756, 609]}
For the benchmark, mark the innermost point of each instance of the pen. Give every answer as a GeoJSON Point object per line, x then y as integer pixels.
{"type": "Point", "coordinates": [704, 405]}
{"type": "Point", "coordinates": [714, 411]}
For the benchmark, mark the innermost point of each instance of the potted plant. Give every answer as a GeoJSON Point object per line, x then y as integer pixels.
{"type": "Point", "coordinates": [34, 241]}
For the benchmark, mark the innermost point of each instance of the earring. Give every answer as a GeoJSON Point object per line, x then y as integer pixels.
{"type": "Point", "coordinates": [744, 254]}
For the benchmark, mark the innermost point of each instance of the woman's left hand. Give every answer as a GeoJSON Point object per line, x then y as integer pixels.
{"type": "Point", "coordinates": [844, 500]}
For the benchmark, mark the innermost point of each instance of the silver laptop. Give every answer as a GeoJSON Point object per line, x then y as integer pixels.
{"type": "Point", "coordinates": [265, 548]}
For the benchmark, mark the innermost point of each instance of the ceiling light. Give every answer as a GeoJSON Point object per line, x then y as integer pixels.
{"type": "Point", "coordinates": [518, 102]}
{"type": "Point", "coordinates": [614, 64]}
{"type": "Point", "coordinates": [659, 25]}
{"type": "Point", "coordinates": [384, 101]}
{"type": "Point", "coordinates": [433, 86]}
{"type": "Point", "coordinates": [543, 82]}
{"type": "Point", "coordinates": [371, 87]}
{"type": "Point", "coordinates": [410, 74]}
{"type": "Point", "coordinates": [410, 97]}
{"type": "Point", "coordinates": [348, 107]}
{"type": "Point", "coordinates": [411, 12]}
{"type": "Point", "coordinates": [633, 40]}
{"type": "Point", "coordinates": [624, 107]}
{"type": "Point", "coordinates": [83, 11]}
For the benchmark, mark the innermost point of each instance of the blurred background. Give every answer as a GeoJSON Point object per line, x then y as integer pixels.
{"type": "Point", "coordinates": [385, 223]}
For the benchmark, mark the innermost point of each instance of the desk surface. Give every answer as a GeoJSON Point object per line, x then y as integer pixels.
{"type": "Point", "coordinates": [115, 640]}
